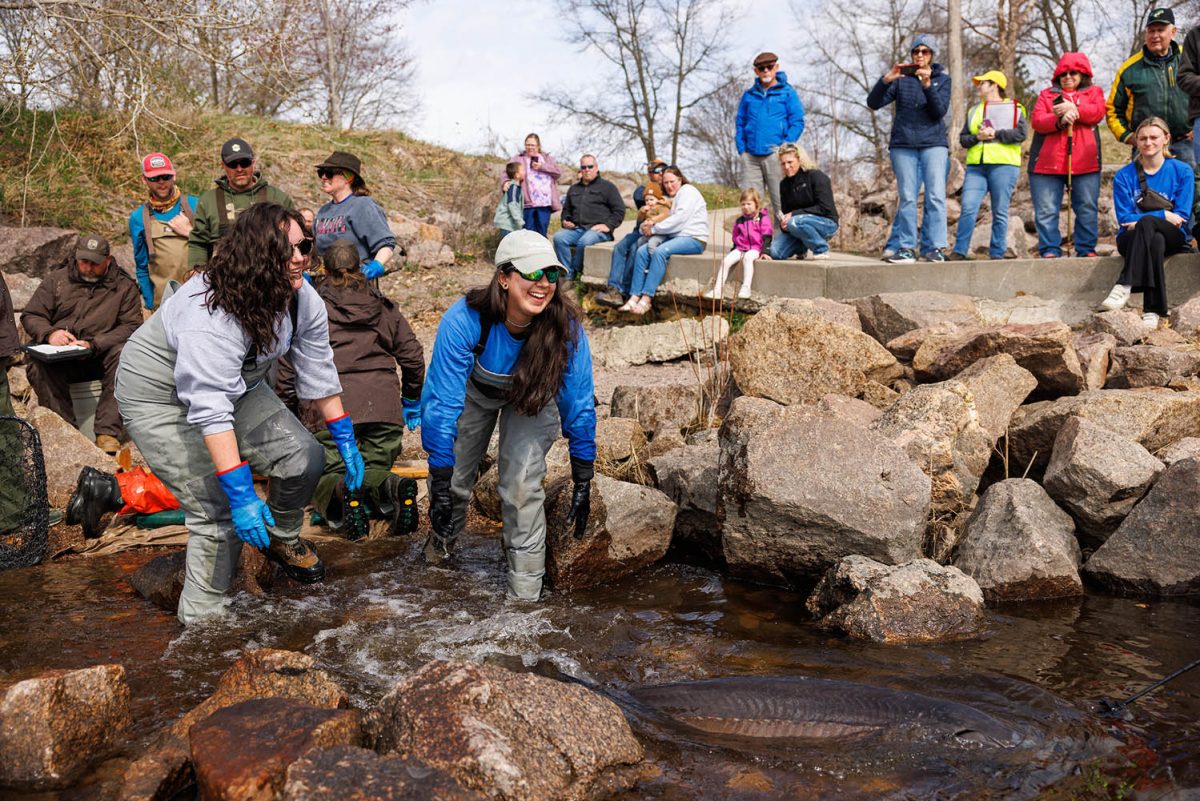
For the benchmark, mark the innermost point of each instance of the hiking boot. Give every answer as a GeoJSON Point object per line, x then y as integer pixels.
{"type": "Point", "coordinates": [398, 503]}
{"type": "Point", "coordinates": [108, 444]}
{"type": "Point", "coordinates": [298, 559]}
{"type": "Point", "coordinates": [609, 297]}
{"type": "Point", "coordinates": [437, 551]}
{"type": "Point", "coordinates": [96, 492]}
{"type": "Point", "coordinates": [904, 256]}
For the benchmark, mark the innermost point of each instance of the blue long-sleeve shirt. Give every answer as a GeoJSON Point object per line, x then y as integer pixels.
{"type": "Point", "coordinates": [444, 395]}
{"type": "Point", "coordinates": [141, 254]}
{"type": "Point", "coordinates": [920, 119]}
{"type": "Point", "coordinates": [1174, 180]}
{"type": "Point", "coordinates": [768, 118]}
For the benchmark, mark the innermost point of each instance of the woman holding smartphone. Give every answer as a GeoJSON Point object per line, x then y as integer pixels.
{"type": "Point", "coordinates": [540, 188]}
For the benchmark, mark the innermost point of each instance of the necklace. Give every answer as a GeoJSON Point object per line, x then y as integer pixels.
{"type": "Point", "coordinates": [518, 325]}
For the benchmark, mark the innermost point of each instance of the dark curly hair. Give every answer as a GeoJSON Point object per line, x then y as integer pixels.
{"type": "Point", "coordinates": [538, 373]}
{"type": "Point", "coordinates": [248, 273]}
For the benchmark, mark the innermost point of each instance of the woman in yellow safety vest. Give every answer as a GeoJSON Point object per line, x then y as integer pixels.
{"type": "Point", "coordinates": [992, 136]}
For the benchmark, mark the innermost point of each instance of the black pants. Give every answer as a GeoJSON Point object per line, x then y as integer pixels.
{"type": "Point", "coordinates": [1145, 248]}
{"type": "Point", "coordinates": [52, 383]}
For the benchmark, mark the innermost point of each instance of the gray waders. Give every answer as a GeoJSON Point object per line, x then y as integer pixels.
{"type": "Point", "coordinates": [269, 437]}
{"type": "Point", "coordinates": [524, 442]}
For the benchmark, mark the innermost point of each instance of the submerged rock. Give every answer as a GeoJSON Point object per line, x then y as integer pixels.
{"type": "Point", "coordinates": [57, 724]}
{"type": "Point", "coordinates": [513, 736]}
{"type": "Point", "coordinates": [346, 773]}
{"type": "Point", "coordinates": [160, 581]}
{"type": "Point", "coordinates": [1019, 546]}
{"type": "Point", "coordinates": [1156, 551]}
{"type": "Point", "coordinates": [918, 601]}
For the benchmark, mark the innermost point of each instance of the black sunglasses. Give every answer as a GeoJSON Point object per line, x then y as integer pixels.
{"type": "Point", "coordinates": [587, 166]}
{"type": "Point", "coordinates": [305, 246]}
{"type": "Point", "coordinates": [552, 274]}
{"type": "Point", "coordinates": [326, 172]}
{"type": "Point", "coordinates": [240, 164]}
{"type": "Point", "coordinates": [922, 51]}
{"type": "Point", "coordinates": [765, 67]}
{"type": "Point", "coordinates": [158, 179]}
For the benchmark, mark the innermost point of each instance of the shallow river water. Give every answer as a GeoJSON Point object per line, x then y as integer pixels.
{"type": "Point", "coordinates": [379, 615]}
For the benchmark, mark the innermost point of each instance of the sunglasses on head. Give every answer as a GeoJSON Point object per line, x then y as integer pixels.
{"type": "Point", "coordinates": [551, 273]}
{"type": "Point", "coordinates": [240, 164]}
{"type": "Point", "coordinates": [305, 246]}
{"type": "Point", "coordinates": [160, 178]}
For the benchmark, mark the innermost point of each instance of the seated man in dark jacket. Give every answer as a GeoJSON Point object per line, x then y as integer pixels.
{"type": "Point", "coordinates": [591, 213]}
{"type": "Point", "coordinates": [93, 304]}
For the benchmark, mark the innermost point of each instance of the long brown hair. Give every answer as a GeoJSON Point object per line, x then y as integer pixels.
{"type": "Point", "coordinates": [248, 272]}
{"type": "Point", "coordinates": [549, 342]}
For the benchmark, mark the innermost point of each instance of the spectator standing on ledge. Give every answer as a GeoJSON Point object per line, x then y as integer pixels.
{"type": "Point", "coordinates": [770, 114]}
{"type": "Point", "coordinates": [919, 149]}
{"type": "Point", "coordinates": [159, 230]}
{"type": "Point", "coordinates": [1145, 86]}
{"type": "Point", "coordinates": [592, 211]}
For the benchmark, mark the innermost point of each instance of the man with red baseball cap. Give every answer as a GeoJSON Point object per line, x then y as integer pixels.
{"type": "Point", "coordinates": [159, 230]}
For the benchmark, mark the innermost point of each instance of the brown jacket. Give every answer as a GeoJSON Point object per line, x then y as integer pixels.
{"type": "Point", "coordinates": [660, 212]}
{"type": "Point", "coordinates": [369, 337]}
{"type": "Point", "coordinates": [105, 313]}
{"type": "Point", "coordinates": [9, 341]}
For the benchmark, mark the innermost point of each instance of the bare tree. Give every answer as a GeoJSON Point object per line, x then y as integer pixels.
{"type": "Point", "coordinates": [708, 128]}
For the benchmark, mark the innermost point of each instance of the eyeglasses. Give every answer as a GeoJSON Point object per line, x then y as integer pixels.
{"type": "Point", "coordinates": [305, 246]}
{"type": "Point", "coordinates": [551, 273]}
{"type": "Point", "coordinates": [1076, 73]}
{"type": "Point", "coordinates": [240, 164]}
{"type": "Point", "coordinates": [326, 172]}
{"type": "Point", "coordinates": [764, 67]}
{"type": "Point", "coordinates": [587, 166]}
{"type": "Point", "coordinates": [160, 178]}
{"type": "Point", "coordinates": [922, 51]}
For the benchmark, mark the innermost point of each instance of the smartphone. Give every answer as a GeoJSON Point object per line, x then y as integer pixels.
{"type": "Point", "coordinates": [986, 124]}
{"type": "Point", "coordinates": [1059, 99]}
{"type": "Point", "coordinates": [908, 69]}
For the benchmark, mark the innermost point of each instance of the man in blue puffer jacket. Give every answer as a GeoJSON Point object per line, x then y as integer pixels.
{"type": "Point", "coordinates": [769, 115]}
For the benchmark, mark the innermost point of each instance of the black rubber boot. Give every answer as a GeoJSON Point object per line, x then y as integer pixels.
{"type": "Point", "coordinates": [400, 504]}
{"type": "Point", "coordinates": [96, 493]}
{"type": "Point", "coordinates": [299, 560]}
{"type": "Point", "coordinates": [437, 551]}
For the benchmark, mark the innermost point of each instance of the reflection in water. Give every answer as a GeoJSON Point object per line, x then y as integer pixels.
{"type": "Point", "coordinates": [380, 615]}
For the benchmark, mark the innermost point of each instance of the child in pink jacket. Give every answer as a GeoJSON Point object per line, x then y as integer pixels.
{"type": "Point", "coordinates": [751, 238]}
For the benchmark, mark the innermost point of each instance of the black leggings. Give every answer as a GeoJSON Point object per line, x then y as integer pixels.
{"type": "Point", "coordinates": [1145, 248]}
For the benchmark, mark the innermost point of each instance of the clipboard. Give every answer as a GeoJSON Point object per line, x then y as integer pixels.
{"type": "Point", "coordinates": [56, 353]}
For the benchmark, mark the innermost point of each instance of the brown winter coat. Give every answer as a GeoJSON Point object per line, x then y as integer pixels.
{"type": "Point", "coordinates": [105, 313]}
{"type": "Point", "coordinates": [9, 341]}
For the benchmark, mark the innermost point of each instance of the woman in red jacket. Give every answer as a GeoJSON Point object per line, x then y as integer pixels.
{"type": "Point", "coordinates": [1066, 150]}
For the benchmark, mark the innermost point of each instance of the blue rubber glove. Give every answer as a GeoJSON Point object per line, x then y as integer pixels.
{"type": "Point", "coordinates": [251, 516]}
{"type": "Point", "coordinates": [372, 269]}
{"type": "Point", "coordinates": [412, 412]}
{"type": "Point", "coordinates": [342, 431]}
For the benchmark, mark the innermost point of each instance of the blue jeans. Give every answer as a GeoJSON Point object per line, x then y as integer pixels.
{"type": "Point", "coordinates": [914, 167]}
{"type": "Point", "coordinates": [1185, 151]}
{"type": "Point", "coordinates": [620, 270]}
{"type": "Point", "coordinates": [649, 270]}
{"type": "Point", "coordinates": [1047, 192]}
{"type": "Point", "coordinates": [537, 219]}
{"type": "Point", "coordinates": [580, 238]}
{"type": "Point", "coordinates": [997, 180]}
{"type": "Point", "coordinates": [803, 232]}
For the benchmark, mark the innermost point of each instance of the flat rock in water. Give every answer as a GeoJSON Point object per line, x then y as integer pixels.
{"type": "Point", "coordinates": [891, 314]}
{"type": "Point", "coordinates": [1047, 350]}
{"type": "Point", "coordinates": [688, 476]}
{"type": "Point", "coordinates": [679, 405]}
{"type": "Point", "coordinates": [1098, 476]}
{"type": "Point", "coordinates": [800, 488]}
{"type": "Point", "coordinates": [36, 251]}
{"type": "Point", "coordinates": [512, 736]}
{"type": "Point", "coordinates": [1152, 418]}
{"type": "Point", "coordinates": [918, 601]}
{"type": "Point", "coordinates": [629, 528]}
{"type": "Point", "coordinates": [1095, 357]}
{"type": "Point", "coordinates": [790, 353]}
{"type": "Point", "coordinates": [160, 581]}
{"type": "Point", "coordinates": [347, 773]}
{"type": "Point", "coordinates": [1149, 366]}
{"type": "Point", "coordinates": [1156, 551]}
{"type": "Point", "coordinates": [66, 452]}
{"type": "Point", "coordinates": [57, 724]}
{"type": "Point", "coordinates": [1020, 546]}
{"type": "Point", "coordinates": [627, 345]}
{"type": "Point", "coordinates": [242, 752]}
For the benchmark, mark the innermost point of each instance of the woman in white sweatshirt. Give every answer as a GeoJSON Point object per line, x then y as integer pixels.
{"type": "Point", "coordinates": [685, 232]}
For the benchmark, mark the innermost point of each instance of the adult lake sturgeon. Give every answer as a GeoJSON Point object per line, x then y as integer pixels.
{"type": "Point", "coordinates": [798, 707]}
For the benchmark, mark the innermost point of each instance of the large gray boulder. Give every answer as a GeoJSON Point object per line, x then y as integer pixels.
{"type": "Point", "coordinates": [1098, 476]}
{"type": "Point", "coordinates": [891, 314]}
{"type": "Point", "coordinates": [1123, 324]}
{"type": "Point", "coordinates": [1156, 551]}
{"type": "Point", "coordinates": [512, 736]}
{"type": "Point", "coordinates": [998, 386]}
{"type": "Point", "coordinates": [916, 602]}
{"type": "Point", "coordinates": [1047, 350]}
{"type": "Point", "coordinates": [1149, 366]}
{"type": "Point", "coordinates": [66, 452]}
{"type": "Point", "coordinates": [657, 405]}
{"type": "Point", "coordinates": [801, 488]}
{"type": "Point", "coordinates": [790, 353]}
{"type": "Point", "coordinates": [624, 346]}
{"type": "Point", "coordinates": [54, 725]}
{"type": "Point", "coordinates": [1152, 418]}
{"type": "Point", "coordinates": [1185, 318]}
{"type": "Point", "coordinates": [688, 476]}
{"type": "Point", "coordinates": [36, 251]}
{"type": "Point", "coordinates": [20, 289]}
{"type": "Point", "coordinates": [1019, 546]}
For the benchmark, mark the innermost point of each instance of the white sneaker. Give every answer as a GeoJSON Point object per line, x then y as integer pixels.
{"type": "Point", "coordinates": [1150, 321]}
{"type": "Point", "coordinates": [712, 294]}
{"type": "Point", "coordinates": [819, 256]}
{"type": "Point", "coordinates": [744, 291]}
{"type": "Point", "coordinates": [1117, 298]}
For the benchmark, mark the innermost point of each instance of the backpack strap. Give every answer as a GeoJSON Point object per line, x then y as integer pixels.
{"type": "Point", "coordinates": [146, 231]}
{"type": "Point", "coordinates": [485, 330]}
{"type": "Point", "coordinates": [224, 219]}
{"type": "Point", "coordinates": [186, 209]}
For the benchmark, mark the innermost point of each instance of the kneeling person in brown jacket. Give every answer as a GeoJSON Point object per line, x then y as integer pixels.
{"type": "Point", "coordinates": [369, 337]}
{"type": "Point", "coordinates": [94, 304]}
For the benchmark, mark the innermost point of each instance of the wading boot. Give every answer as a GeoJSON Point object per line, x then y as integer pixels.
{"type": "Point", "coordinates": [437, 551]}
{"type": "Point", "coordinates": [96, 492]}
{"type": "Point", "coordinates": [298, 559]}
{"type": "Point", "coordinates": [400, 504]}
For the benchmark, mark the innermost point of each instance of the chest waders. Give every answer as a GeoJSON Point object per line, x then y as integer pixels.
{"type": "Point", "coordinates": [166, 250]}
{"type": "Point", "coordinates": [269, 437]}
{"type": "Point", "coordinates": [524, 442]}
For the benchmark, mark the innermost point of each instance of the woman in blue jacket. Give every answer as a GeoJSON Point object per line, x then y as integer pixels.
{"type": "Point", "coordinates": [1152, 197]}
{"type": "Point", "coordinates": [513, 350]}
{"type": "Point", "coordinates": [919, 150]}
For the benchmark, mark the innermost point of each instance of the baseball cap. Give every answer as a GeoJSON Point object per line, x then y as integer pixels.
{"type": "Point", "coordinates": [527, 251]}
{"type": "Point", "coordinates": [995, 76]}
{"type": "Point", "coordinates": [1161, 16]}
{"type": "Point", "coordinates": [658, 165]}
{"type": "Point", "coordinates": [764, 58]}
{"type": "Point", "coordinates": [236, 149]}
{"type": "Point", "coordinates": [92, 247]}
{"type": "Point", "coordinates": [157, 164]}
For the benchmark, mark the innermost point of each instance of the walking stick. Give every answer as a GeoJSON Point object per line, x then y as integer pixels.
{"type": "Point", "coordinates": [1069, 239]}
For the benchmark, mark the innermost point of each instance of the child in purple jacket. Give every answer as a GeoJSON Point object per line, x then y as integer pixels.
{"type": "Point", "coordinates": [751, 238]}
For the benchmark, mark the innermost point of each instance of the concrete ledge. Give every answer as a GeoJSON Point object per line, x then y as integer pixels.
{"type": "Point", "coordinates": [846, 276]}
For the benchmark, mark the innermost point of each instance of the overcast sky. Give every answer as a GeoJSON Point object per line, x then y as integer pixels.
{"type": "Point", "coordinates": [478, 62]}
